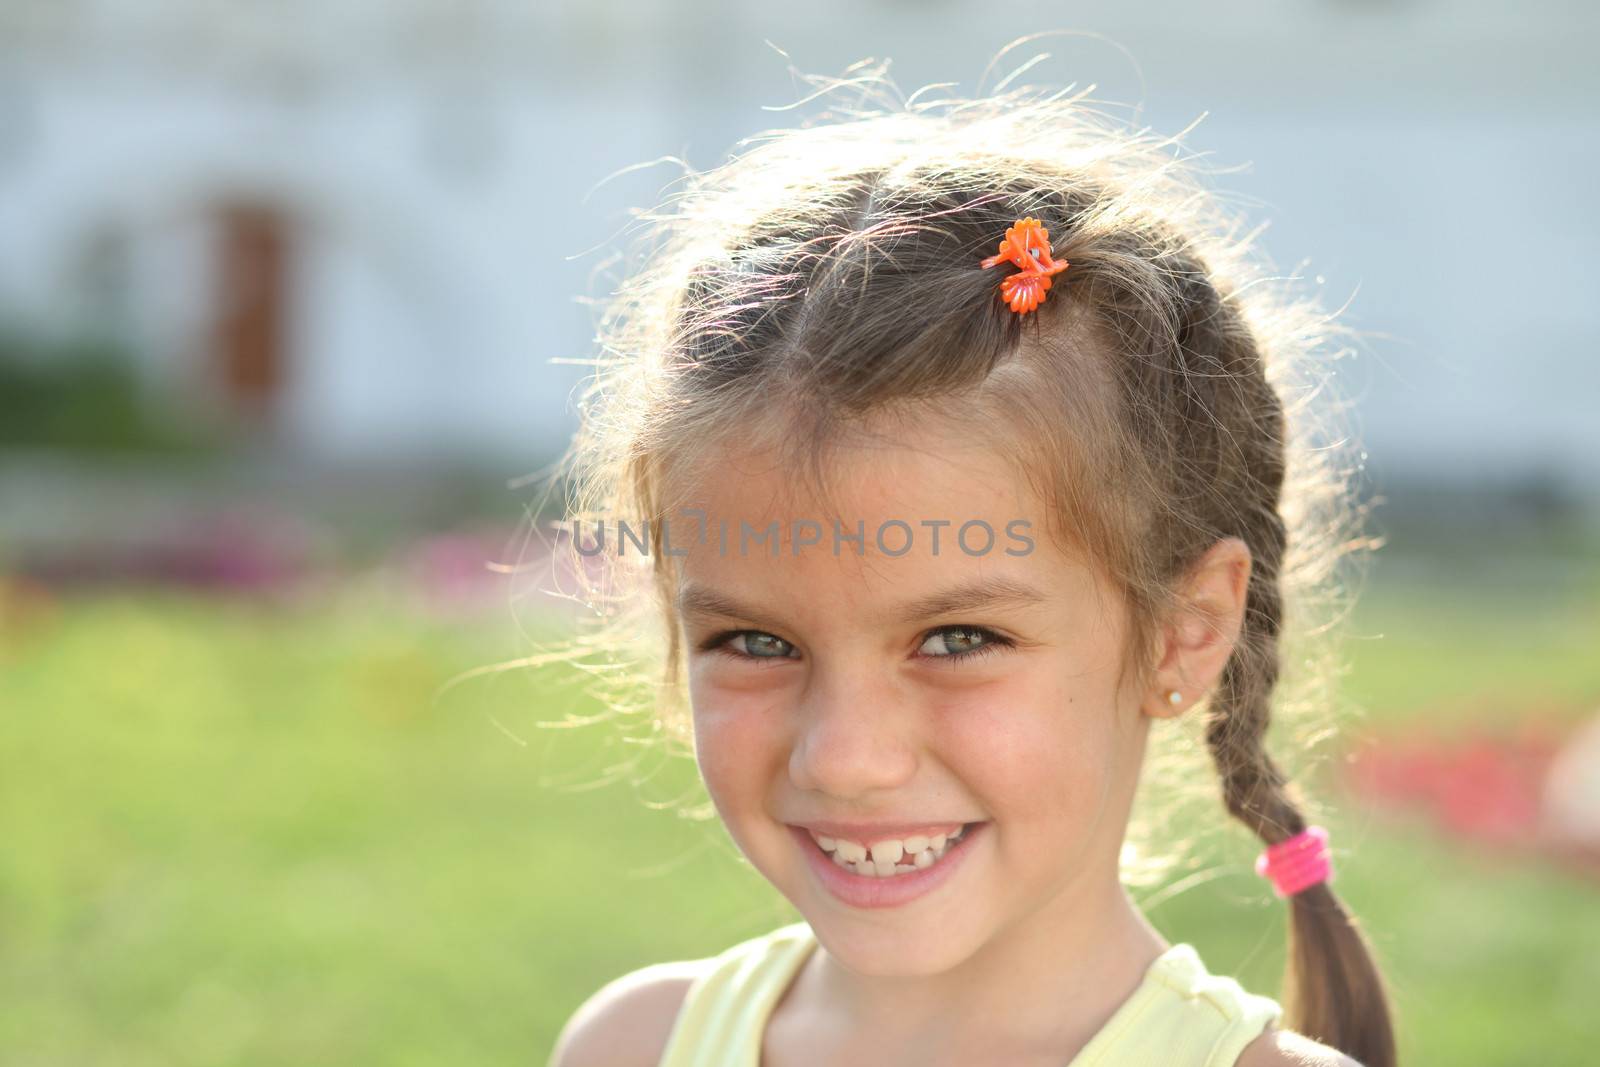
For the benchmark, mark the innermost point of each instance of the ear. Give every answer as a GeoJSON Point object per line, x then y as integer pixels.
{"type": "Point", "coordinates": [1200, 635]}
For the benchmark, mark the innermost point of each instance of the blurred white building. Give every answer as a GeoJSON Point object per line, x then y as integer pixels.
{"type": "Point", "coordinates": [365, 226]}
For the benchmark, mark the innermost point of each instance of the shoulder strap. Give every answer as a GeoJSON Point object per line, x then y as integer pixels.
{"type": "Point", "coordinates": [725, 1009]}
{"type": "Point", "coordinates": [1181, 1016]}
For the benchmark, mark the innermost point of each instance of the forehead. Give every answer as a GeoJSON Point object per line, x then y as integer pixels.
{"type": "Point", "coordinates": [909, 473]}
{"type": "Point", "coordinates": [953, 515]}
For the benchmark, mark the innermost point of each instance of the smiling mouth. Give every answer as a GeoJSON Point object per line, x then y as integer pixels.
{"type": "Point", "coordinates": [891, 857]}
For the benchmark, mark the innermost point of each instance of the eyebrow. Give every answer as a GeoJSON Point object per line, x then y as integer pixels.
{"type": "Point", "coordinates": [694, 599]}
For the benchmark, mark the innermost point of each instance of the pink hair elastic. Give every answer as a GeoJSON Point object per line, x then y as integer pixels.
{"type": "Point", "coordinates": [1297, 863]}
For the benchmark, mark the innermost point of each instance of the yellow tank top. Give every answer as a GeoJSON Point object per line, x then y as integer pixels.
{"type": "Point", "coordinates": [1180, 1015]}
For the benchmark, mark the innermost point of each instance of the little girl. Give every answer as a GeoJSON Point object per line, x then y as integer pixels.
{"type": "Point", "coordinates": [950, 447]}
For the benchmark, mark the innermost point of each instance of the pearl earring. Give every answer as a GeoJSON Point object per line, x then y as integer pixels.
{"type": "Point", "coordinates": [1174, 698]}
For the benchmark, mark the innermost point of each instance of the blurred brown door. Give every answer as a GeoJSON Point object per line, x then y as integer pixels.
{"type": "Point", "coordinates": [252, 287]}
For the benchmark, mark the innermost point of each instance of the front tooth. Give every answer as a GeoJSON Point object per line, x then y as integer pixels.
{"type": "Point", "coordinates": [924, 858]}
{"type": "Point", "coordinates": [888, 852]}
{"type": "Point", "coordinates": [827, 843]}
{"type": "Point", "coordinates": [916, 844]}
{"type": "Point", "coordinates": [865, 867]}
{"type": "Point", "coordinates": [936, 842]}
{"type": "Point", "coordinates": [885, 867]}
{"type": "Point", "coordinates": [850, 850]}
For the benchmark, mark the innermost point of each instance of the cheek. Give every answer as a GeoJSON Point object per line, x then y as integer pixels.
{"type": "Point", "coordinates": [1035, 754]}
{"type": "Point", "coordinates": [738, 742]}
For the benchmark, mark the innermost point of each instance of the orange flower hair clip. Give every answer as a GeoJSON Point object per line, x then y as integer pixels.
{"type": "Point", "coordinates": [1027, 245]}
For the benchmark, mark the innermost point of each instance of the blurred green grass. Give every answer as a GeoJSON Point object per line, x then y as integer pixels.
{"type": "Point", "coordinates": [252, 835]}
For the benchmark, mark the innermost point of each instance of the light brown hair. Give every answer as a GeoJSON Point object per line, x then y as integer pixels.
{"type": "Point", "coordinates": [1160, 399]}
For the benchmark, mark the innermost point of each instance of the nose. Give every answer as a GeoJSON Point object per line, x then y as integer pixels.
{"type": "Point", "coordinates": [854, 739]}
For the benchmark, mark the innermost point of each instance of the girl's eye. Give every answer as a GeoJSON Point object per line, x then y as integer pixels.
{"type": "Point", "coordinates": [964, 642]}
{"type": "Point", "coordinates": [756, 645]}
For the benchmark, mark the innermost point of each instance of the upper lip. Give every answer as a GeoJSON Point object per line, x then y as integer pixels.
{"type": "Point", "coordinates": [880, 831]}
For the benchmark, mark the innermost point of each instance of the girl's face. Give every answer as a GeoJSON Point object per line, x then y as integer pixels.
{"type": "Point", "coordinates": [874, 702]}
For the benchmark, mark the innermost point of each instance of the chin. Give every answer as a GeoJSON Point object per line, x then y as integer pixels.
{"type": "Point", "coordinates": [889, 951]}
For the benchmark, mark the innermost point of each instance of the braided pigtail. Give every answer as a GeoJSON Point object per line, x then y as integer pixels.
{"type": "Point", "coordinates": [1333, 991]}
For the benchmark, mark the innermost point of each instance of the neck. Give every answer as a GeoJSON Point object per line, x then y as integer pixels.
{"type": "Point", "coordinates": [1014, 993]}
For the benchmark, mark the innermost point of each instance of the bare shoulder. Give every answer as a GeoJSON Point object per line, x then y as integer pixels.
{"type": "Point", "coordinates": [626, 1022]}
{"type": "Point", "coordinates": [1285, 1048]}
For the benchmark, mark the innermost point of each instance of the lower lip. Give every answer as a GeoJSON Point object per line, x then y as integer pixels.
{"type": "Point", "coordinates": [867, 891]}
